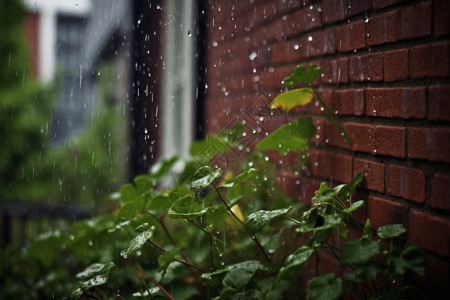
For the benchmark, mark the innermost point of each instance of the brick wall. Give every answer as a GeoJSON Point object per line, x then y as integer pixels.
{"type": "Point", "coordinates": [386, 75]}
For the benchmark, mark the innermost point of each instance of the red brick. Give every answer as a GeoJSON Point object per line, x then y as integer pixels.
{"type": "Point", "coordinates": [351, 36]}
{"type": "Point", "coordinates": [377, 4]}
{"type": "Point", "coordinates": [440, 191]}
{"type": "Point", "coordinates": [396, 65]}
{"type": "Point", "coordinates": [343, 168]}
{"type": "Point", "coordinates": [301, 21]}
{"type": "Point", "coordinates": [322, 163]}
{"type": "Point", "coordinates": [407, 183]}
{"type": "Point", "coordinates": [437, 277]}
{"type": "Point", "coordinates": [349, 102]}
{"type": "Point", "coordinates": [360, 136]}
{"type": "Point", "coordinates": [388, 140]}
{"type": "Point", "coordinates": [441, 19]}
{"type": "Point", "coordinates": [415, 21]}
{"type": "Point", "coordinates": [332, 11]}
{"type": "Point", "coordinates": [273, 77]}
{"type": "Point", "coordinates": [327, 96]}
{"type": "Point", "coordinates": [383, 28]}
{"type": "Point", "coordinates": [430, 232]}
{"type": "Point", "coordinates": [335, 71]}
{"type": "Point", "coordinates": [319, 137]}
{"type": "Point", "coordinates": [307, 188]}
{"type": "Point", "coordinates": [403, 103]}
{"type": "Point", "coordinates": [354, 7]}
{"type": "Point", "coordinates": [431, 144]}
{"type": "Point", "coordinates": [439, 102]}
{"type": "Point", "coordinates": [429, 60]}
{"type": "Point", "coordinates": [383, 212]}
{"type": "Point", "coordinates": [373, 174]}
{"type": "Point", "coordinates": [334, 137]}
{"type": "Point", "coordinates": [366, 68]}
{"type": "Point", "coordinates": [319, 43]}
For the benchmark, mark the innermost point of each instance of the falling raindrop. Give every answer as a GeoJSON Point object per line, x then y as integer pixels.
{"type": "Point", "coordinates": [310, 38]}
{"type": "Point", "coordinates": [366, 17]}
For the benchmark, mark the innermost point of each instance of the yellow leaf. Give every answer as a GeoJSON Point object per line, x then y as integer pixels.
{"type": "Point", "coordinates": [293, 98]}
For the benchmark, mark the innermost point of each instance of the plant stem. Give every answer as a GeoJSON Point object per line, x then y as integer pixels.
{"type": "Point", "coordinates": [154, 282]}
{"type": "Point", "coordinates": [146, 287]}
{"type": "Point", "coordinates": [178, 260]}
{"type": "Point", "coordinates": [251, 235]}
{"type": "Point", "coordinates": [291, 219]}
{"type": "Point", "coordinates": [211, 249]}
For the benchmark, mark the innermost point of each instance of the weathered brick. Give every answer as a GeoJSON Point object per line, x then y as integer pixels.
{"type": "Point", "coordinates": [385, 212]}
{"type": "Point", "coordinates": [403, 103]}
{"type": "Point", "coordinates": [377, 4]}
{"type": "Point", "coordinates": [388, 140]}
{"type": "Point", "coordinates": [334, 137]}
{"type": "Point", "coordinates": [429, 60]}
{"type": "Point", "coordinates": [373, 173]}
{"type": "Point", "coordinates": [431, 144]}
{"type": "Point", "coordinates": [407, 183]}
{"type": "Point", "coordinates": [335, 71]}
{"type": "Point", "coordinates": [322, 163]}
{"type": "Point", "coordinates": [440, 191]}
{"type": "Point", "coordinates": [332, 11]}
{"type": "Point", "coordinates": [287, 182]}
{"type": "Point", "coordinates": [409, 26]}
{"type": "Point", "coordinates": [302, 20]}
{"type": "Point", "coordinates": [343, 168]}
{"type": "Point", "coordinates": [360, 136]}
{"type": "Point", "coordinates": [327, 96]}
{"type": "Point", "coordinates": [430, 232]}
{"type": "Point", "coordinates": [351, 36]}
{"type": "Point", "coordinates": [366, 67]}
{"type": "Point", "coordinates": [396, 65]}
{"type": "Point", "coordinates": [383, 28]}
{"type": "Point", "coordinates": [439, 102]}
{"type": "Point", "coordinates": [349, 102]}
{"type": "Point", "coordinates": [441, 19]}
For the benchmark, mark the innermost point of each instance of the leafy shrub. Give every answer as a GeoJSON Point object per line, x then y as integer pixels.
{"type": "Point", "coordinates": [224, 234]}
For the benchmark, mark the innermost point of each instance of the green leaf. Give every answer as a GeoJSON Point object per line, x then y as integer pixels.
{"type": "Point", "coordinates": [98, 275]}
{"type": "Point", "coordinates": [208, 147]}
{"type": "Point", "coordinates": [354, 206]}
{"type": "Point", "coordinates": [143, 227]}
{"type": "Point", "coordinates": [390, 231]}
{"type": "Point", "coordinates": [292, 136]}
{"type": "Point", "coordinates": [241, 177]}
{"type": "Point", "coordinates": [290, 99]}
{"type": "Point", "coordinates": [256, 221]}
{"type": "Point", "coordinates": [144, 185]}
{"type": "Point", "coordinates": [325, 287]}
{"type": "Point", "coordinates": [362, 273]}
{"type": "Point", "coordinates": [186, 207]}
{"type": "Point", "coordinates": [203, 178]}
{"type": "Point", "coordinates": [299, 257]}
{"type": "Point", "coordinates": [368, 229]}
{"type": "Point", "coordinates": [347, 190]}
{"type": "Point", "coordinates": [412, 257]}
{"type": "Point", "coordinates": [137, 242]}
{"type": "Point", "coordinates": [357, 252]}
{"type": "Point", "coordinates": [128, 194]}
{"type": "Point", "coordinates": [318, 238]}
{"type": "Point", "coordinates": [167, 257]}
{"type": "Point", "coordinates": [159, 202]}
{"type": "Point", "coordinates": [128, 210]}
{"type": "Point", "coordinates": [249, 265]}
{"type": "Point", "coordinates": [301, 75]}
{"type": "Point", "coordinates": [238, 278]}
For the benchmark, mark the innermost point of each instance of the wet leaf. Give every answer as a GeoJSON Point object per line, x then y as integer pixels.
{"type": "Point", "coordinates": [250, 173]}
{"type": "Point", "coordinates": [249, 265]}
{"type": "Point", "coordinates": [186, 207]}
{"type": "Point", "coordinates": [412, 257]}
{"type": "Point", "coordinates": [256, 221]}
{"type": "Point", "coordinates": [162, 168]}
{"type": "Point", "coordinates": [203, 178]}
{"type": "Point", "coordinates": [325, 287]}
{"type": "Point", "coordinates": [289, 137]}
{"type": "Point", "coordinates": [301, 75]}
{"type": "Point", "coordinates": [99, 274]}
{"type": "Point", "coordinates": [362, 273]}
{"type": "Point", "coordinates": [144, 185]}
{"type": "Point", "coordinates": [137, 242]}
{"type": "Point", "coordinates": [347, 190]}
{"type": "Point", "coordinates": [238, 278]}
{"type": "Point", "coordinates": [290, 99]}
{"type": "Point", "coordinates": [159, 202]}
{"type": "Point", "coordinates": [354, 206]}
{"type": "Point", "coordinates": [294, 260]}
{"type": "Point", "coordinates": [390, 231]}
{"type": "Point", "coordinates": [165, 259]}
{"type": "Point", "coordinates": [357, 252]}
